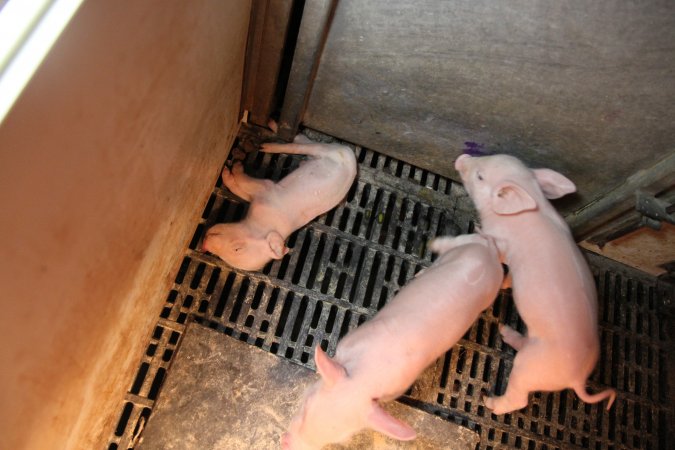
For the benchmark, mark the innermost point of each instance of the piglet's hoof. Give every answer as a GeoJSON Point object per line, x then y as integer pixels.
{"type": "Point", "coordinates": [492, 404]}
{"type": "Point", "coordinates": [487, 401]}
{"type": "Point", "coordinates": [238, 155]}
{"type": "Point", "coordinates": [226, 173]}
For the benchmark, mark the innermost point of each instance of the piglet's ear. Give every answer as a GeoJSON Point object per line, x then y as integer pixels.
{"type": "Point", "coordinates": [330, 371]}
{"type": "Point", "coordinates": [553, 184]}
{"type": "Point", "coordinates": [380, 420]}
{"type": "Point", "coordinates": [277, 245]}
{"type": "Point", "coordinates": [510, 198]}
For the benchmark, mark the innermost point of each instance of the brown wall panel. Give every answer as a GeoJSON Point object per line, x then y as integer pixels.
{"type": "Point", "coordinates": [106, 162]}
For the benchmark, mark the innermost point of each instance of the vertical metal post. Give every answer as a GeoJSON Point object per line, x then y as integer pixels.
{"type": "Point", "coordinates": [316, 19]}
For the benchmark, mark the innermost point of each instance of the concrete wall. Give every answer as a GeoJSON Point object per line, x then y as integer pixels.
{"type": "Point", "coordinates": [585, 88]}
{"type": "Point", "coordinates": [106, 162]}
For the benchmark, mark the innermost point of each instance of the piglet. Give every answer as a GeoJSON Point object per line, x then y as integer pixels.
{"type": "Point", "coordinates": [278, 209]}
{"type": "Point", "coordinates": [379, 360]}
{"type": "Point", "coordinates": [553, 288]}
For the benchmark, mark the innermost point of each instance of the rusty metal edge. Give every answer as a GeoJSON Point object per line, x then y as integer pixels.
{"type": "Point", "coordinates": [591, 219]}
{"type": "Point", "coordinates": [314, 27]}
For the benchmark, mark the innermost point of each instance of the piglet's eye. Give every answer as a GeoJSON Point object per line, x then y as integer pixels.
{"type": "Point", "coordinates": [480, 177]}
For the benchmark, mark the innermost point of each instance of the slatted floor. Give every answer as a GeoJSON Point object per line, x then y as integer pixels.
{"type": "Point", "coordinates": [348, 263]}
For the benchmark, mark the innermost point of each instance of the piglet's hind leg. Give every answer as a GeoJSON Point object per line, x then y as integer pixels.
{"type": "Point", "coordinates": [514, 398]}
{"type": "Point", "coordinates": [526, 369]}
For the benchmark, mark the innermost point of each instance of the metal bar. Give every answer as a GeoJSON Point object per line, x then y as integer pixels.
{"type": "Point", "coordinates": [253, 51]}
{"type": "Point", "coordinates": [270, 22]}
{"type": "Point", "coordinates": [588, 219]}
{"type": "Point", "coordinates": [316, 19]}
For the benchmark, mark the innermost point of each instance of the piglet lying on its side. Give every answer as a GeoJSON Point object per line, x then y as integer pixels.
{"type": "Point", "coordinates": [379, 360]}
{"type": "Point", "coordinates": [278, 209]}
{"type": "Point", "coordinates": [553, 288]}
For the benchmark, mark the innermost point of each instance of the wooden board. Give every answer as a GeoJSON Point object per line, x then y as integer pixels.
{"type": "Point", "coordinates": [645, 249]}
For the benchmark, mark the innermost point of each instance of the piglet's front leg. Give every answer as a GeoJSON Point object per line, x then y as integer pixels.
{"type": "Point", "coordinates": [512, 337]}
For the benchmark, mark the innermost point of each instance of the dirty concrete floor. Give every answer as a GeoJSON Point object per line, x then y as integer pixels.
{"type": "Point", "coordinates": [223, 394]}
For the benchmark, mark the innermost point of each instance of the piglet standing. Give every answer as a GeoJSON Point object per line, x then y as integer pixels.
{"type": "Point", "coordinates": [379, 360]}
{"type": "Point", "coordinates": [553, 288]}
{"type": "Point", "coordinates": [278, 209]}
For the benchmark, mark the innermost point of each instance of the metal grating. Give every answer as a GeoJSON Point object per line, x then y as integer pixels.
{"type": "Point", "coordinates": [345, 265]}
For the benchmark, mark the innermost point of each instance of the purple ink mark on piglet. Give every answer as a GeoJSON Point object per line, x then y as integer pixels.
{"type": "Point", "coordinates": [474, 149]}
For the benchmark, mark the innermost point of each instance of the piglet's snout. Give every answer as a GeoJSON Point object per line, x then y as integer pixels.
{"type": "Point", "coordinates": [460, 162]}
